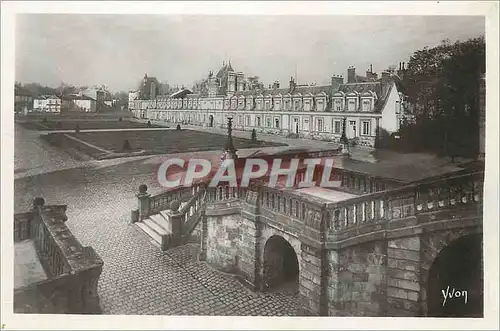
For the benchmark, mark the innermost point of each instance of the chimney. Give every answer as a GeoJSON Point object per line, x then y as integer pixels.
{"type": "Point", "coordinates": [371, 68]}
{"type": "Point", "coordinates": [403, 67]}
{"type": "Point", "coordinates": [292, 83]}
{"type": "Point", "coordinates": [351, 75]}
{"type": "Point", "coordinates": [337, 81]}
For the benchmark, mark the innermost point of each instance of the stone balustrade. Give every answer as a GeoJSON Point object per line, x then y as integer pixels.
{"type": "Point", "coordinates": [72, 270]}
{"type": "Point", "coordinates": [162, 201]}
{"type": "Point", "coordinates": [372, 213]}
{"type": "Point", "coordinates": [224, 192]}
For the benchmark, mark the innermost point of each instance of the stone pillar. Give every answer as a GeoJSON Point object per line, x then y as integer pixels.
{"type": "Point", "coordinates": [89, 291]}
{"type": "Point", "coordinates": [143, 205]}
{"type": "Point", "coordinates": [251, 237]}
{"type": "Point", "coordinates": [177, 222]}
{"type": "Point", "coordinates": [313, 282]}
{"type": "Point", "coordinates": [403, 277]}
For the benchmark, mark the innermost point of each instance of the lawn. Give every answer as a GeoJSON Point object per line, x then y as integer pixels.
{"type": "Point", "coordinates": [151, 142]}
{"type": "Point", "coordinates": [84, 125]}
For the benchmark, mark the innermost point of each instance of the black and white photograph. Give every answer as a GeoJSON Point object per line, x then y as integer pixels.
{"type": "Point", "coordinates": [250, 164]}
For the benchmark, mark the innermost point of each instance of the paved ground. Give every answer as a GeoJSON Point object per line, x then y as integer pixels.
{"type": "Point", "coordinates": [137, 278]}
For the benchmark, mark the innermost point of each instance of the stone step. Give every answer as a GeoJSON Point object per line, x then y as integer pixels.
{"type": "Point", "coordinates": [150, 232]}
{"type": "Point", "coordinates": [163, 223]}
{"type": "Point", "coordinates": [165, 214]}
{"type": "Point", "coordinates": [154, 225]}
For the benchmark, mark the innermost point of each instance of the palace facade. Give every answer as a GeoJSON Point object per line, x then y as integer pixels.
{"type": "Point", "coordinates": [309, 111]}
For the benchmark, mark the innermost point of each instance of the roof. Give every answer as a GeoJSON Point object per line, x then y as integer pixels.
{"type": "Point", "coordinates": [381, 87]}
{"type": "Point", "coordinates": [315, 90]}
{"type": "Point", "coordinates": [181, 93]}
{"type": "Point", "coordinates": [78, 97]}
{"type": "Point", "coordinates": [45, 97]}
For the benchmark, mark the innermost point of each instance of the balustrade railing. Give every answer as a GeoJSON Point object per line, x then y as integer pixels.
{"type": "Point", "coordinates": [406, 201]}
{"type": "Point", "coordinates": [225, 192]}
{"type": "Point", "coordinates": [72, 270]}
{"type": "Point", "coordinates": [192, 212]}
{"type": "Point", "coordinates": [51, 254]}
{"type": "Point", "coordinates": [162, 201]}
{"type": "Point", "coordinates": [293, 204]}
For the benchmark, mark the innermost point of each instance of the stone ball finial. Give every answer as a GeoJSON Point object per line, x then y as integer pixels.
{"type": "Point", "coordinates": [174, 205]}
{"type": "Point", "coordinates": [143, 188]}
{"type": "Point", "coordinates": [38, 202]}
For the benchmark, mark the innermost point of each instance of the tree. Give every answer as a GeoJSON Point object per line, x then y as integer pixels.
{"type": "Point", "coordinates": [442, 84]}
{"type": "Point", "coordinates": [255, 83]}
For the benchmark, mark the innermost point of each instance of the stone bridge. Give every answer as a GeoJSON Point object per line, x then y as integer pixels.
{"type": "Point", "coordinates": [386, 253]}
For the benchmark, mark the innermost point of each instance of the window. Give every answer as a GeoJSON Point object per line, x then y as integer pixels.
{"type": "Point", "coordinates": [398, 107]}
{"type": "Point", "coordinates": [268, 122]}
{"type": "Point", "coordinates": [365, 128]}
{"type": "Point", "coordinates": [240, 120]}
{"type": "Point", "coordinates": [247, 120]}
{"type": "Point", "coordinates": [337, 127]}
{"type": "Point", "coordinates": [277, 105]}
{"type": "Point", "coordinates": [338, 105]}
{"type": "Point", "coordinates": [319, 105]}
{"type": "Point", "coordinates": [351, 105]}
{"type": "Point", "coordinates": [366, 105]}
{"type": "Point", "coordinates": [258, 120]}
{"type": "Point", "coordinates": [297, 105]}
{"type": "Point", "coordinates": [319, 125]}
{"type": "Point", "coordinates": [277, 123]}
{"type": "Point", "coordinates": [307, 105]}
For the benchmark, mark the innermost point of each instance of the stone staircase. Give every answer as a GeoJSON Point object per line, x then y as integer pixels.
{"type": "Point", "coordinates": [168, 223]}
{"type": "Point", "coordinates": [156, 226]}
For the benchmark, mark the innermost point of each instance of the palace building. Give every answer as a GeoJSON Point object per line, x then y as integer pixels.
{"type": "Point", "coordinates": [365, 103]}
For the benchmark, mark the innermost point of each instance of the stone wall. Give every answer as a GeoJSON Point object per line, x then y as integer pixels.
{"type": "Point", "coordinates": [224, 234]}
{"type": "Point", "coordinates": [403, 276]}
{"type": "Point", "coordinates": [357, 280]}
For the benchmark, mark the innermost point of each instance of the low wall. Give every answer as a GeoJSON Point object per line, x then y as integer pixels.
{"type": "Point", "coordinates": [72, 270]}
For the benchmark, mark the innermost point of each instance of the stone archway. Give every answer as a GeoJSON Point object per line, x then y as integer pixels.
{"type": "Point", "coordinates": [457, 271]}
{"type": "Point", "coordinates": [281, 266]}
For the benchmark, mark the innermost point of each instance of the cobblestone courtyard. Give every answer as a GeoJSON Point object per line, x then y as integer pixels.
{"type": "Point", "coordinates": [137, 277]}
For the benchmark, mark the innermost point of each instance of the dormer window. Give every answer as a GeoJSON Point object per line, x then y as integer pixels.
{"type": "Point", "coordinates": [307, 105]}
{"type": "Point", "coordinates": [366, 105]}
{"type": "Point", "coordinates": [351, 105]}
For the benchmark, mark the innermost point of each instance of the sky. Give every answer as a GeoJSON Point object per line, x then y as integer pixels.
{"type": "Point", "coordinates": [117, 50]}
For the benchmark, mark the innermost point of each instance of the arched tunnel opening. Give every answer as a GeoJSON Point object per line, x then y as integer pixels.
{"type": "Point", "coordinates": [281, 267]}
{"type": "Point", "coordinates": [455, 283]}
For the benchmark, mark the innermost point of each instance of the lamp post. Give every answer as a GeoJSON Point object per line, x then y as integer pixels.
{"type": "Point", "coordinates": [344, 142]}
{"type": "Point", "coordinates": [229, 150]}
